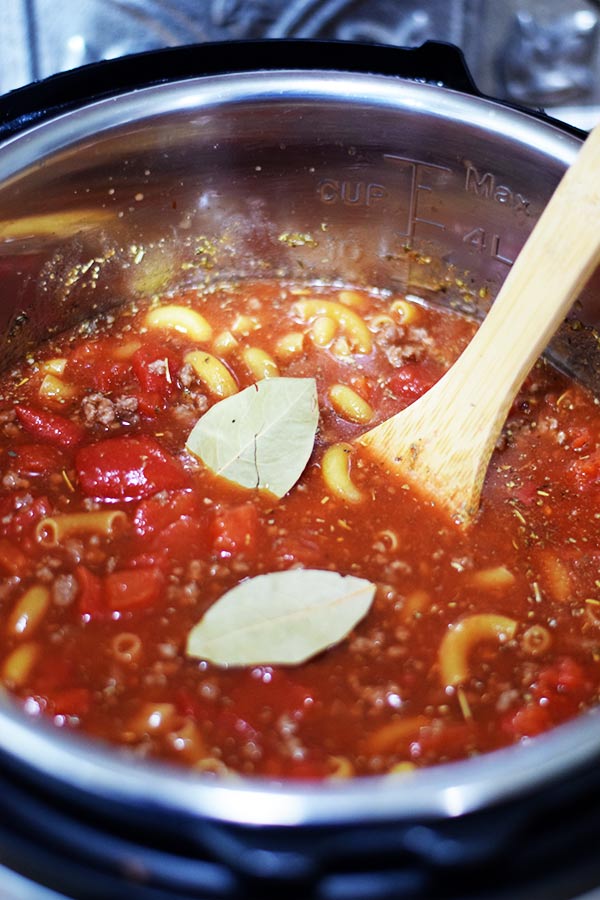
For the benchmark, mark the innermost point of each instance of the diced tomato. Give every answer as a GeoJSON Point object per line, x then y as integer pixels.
{"type": "Point", "coordinates": [156, 513]}
{"type": "Point", "coordinates": [19, 514]}
{"type": "Point", "coordinates": [586, 470]}
{"type": "Point", "coordinates": [528, 721]}
{"type": "Point", "coordinates": [12, 560]}
{"type": "Point", "coordinates": [91, 602]}
{"type": "Point", "coordinates": [111, 375]}
{"type": "Point", "coordinates": [156, 368]}
{"type": "Point", "coordinates": [183, 540]}
{"type": "Point", "coordinates": [50, 427]}
{"type": "Point", "coordinates": [557, 694]}
{"type": "Point", "coordinates": [235, 530]}
{"type": "Point", "coordinates": [133, 588]}
{"type": "Point", "coordinates": [127, 468]}
{"type": "Point", "coordinates": [92, 365]}
{"type": "Point", "coordinates": [37, 459]}
{"type": "Point", "coordinates": [578, 438]}
{"type": "Point", "coordinates": [150, 403]}
{"type": "Point", "coordinates": [414, 379]}
{"type": "Point", "coordinates": [563, 685]}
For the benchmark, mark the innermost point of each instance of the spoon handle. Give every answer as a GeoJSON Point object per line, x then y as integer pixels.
{"type": "Point", "coordinates": [443, 442]}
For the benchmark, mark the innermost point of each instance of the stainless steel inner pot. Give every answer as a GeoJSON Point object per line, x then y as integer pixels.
{"type": "Point", "coordinates": [308, 175]}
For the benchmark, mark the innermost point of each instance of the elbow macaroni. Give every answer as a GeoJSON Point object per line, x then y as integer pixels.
{"type": "Point", "coordinates": [289, 345]}
{"type": "Point", "coordinates": [225, 342]}
{"type": "Point", "coordinates": [261, 364]}
{"type": "Point", "coordinates": [175, 317]}
{"type": "Point", "coordinates": [352, 326]}
{"type": "Point", "coordinates": [52, 529]}
{"type": "Point", "coordinates": [460, 639]}
{"type": "Point", "coordinates": [18, 665]}
{"type": "Point", "coordinates": [350, 405]}
{"type": "Point", "coordinates": [323, 331]}
{"type": "Point", "coordinates": [336, 473]}
{"type": "Point", "coordinates": [212, 373]}
{"type": "Point", "coordinates": [28, 612]}
{"type": "Point", "coordinates": [536, 640]}
{"type": "Point", "coordinates": [406, 312]}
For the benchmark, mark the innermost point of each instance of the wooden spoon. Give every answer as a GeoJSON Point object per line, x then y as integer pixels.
{"type": "Point", "coordinates": [443, 442]}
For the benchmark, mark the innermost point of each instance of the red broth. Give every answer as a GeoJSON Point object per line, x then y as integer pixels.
{"type": "Point", "coordinates": [475, 640]}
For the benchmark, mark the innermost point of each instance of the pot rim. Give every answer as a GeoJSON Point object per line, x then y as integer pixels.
{"type": "Point", "coordinates": [447, 790]}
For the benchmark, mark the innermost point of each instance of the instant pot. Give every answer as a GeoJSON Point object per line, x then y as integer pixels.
{"type": "Point", "coordinates": [364, 165]}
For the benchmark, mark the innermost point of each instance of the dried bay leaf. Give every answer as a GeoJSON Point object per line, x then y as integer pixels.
{"type": "Point", "coordinates": [262, 437]}
{"type": "Point", "coordinates": [283, 618]}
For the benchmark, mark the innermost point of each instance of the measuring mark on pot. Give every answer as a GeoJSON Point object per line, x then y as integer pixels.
{"type": "Point", "coordinates": [419, 177]}
{"type": "Point", "coordinates": [411, 195]}
{"type": "Point", "coordinates": [486, 186]}
{"type": "Point", "coordinates": [481, 240]}
{"type": "Point", "coordinates": [350, 193]}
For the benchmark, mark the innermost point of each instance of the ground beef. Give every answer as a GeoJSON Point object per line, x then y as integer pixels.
{"type": "Point", "coordinates": [12, 481]}
{"type": "Point", "coordinates": [98, 408]}
{"type": "Point", "coordinates": [8, 423]}
{"type": "Point", "coordinates": [64, 590]}
{"type": "Point", "coordinates": [399, 355]}
{"type": "Point", "coordinates": [186, 375]}
{"type": "Point", "coordinates": [126, 408]}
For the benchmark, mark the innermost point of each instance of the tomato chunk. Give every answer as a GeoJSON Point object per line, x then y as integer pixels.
{"type": "Point", "coordinates": [127, 468]}
{"type": "Point", "coordinates": [182, 540]}
{"type": "Point", "coordinates": [91, 596]}
{"type": "Point", "coordinates": [37, 459]}
{"type": "Point", "coordinates": [133, 588]}
{"type": "Point", "coordinates": [19, 513]}
{"type": "Point", "coordinates": [586, 471]}
{"type": "Point", "coordinates": [156, 513]}
{"type": "Point", "coordinates": [235, 530]}
{"type": "Point", "coordinates": [50, 427]}
{"type": "Point", "coordinates": [414, 379]}
{"type": "Point", "coordinates": [92, 366]}
{"type": "Point", "coordinates": [156, 369]}
{"type": "Point", "coordinates": [12, 560]}
{"type": "Point", "coordinates": [528, 721]}
{"type": "Point", "coordinates": [563, 686]}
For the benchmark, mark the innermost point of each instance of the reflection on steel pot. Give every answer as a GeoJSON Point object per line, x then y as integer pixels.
{"type": "Point", "coordinates": [178, 167]}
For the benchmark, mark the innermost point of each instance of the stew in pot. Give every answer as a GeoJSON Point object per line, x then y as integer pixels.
{"type": "Point", "coordinates": [200, 565]}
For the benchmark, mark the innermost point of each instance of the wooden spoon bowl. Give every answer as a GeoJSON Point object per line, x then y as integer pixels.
{"type": "Point", "coordinates": [443, 442]}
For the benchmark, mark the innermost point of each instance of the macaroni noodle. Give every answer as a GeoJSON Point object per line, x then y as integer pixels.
{"type": "Point", "coordinates": [174, 317]}
{"type": "Point", "coordinates": [352, 325]}
{"type": "Point", "coordinates": [213, 373]}
{"type": "Point", "coordinates": [336, 473]}
{"type": "Point", "coordinates": [460, 639]}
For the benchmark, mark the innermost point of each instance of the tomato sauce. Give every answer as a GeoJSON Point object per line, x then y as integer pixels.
{"type": "Point", "coordinates": [115, 540]}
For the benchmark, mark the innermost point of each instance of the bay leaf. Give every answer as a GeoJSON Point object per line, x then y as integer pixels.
{"type": "Point", "coordinates": [282, 618]}
{"type": "Point", "coordinates": [261, 437]}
